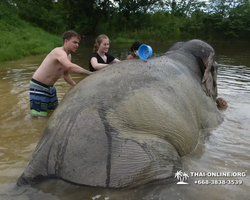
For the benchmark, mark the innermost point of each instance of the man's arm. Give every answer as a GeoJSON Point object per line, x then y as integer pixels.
{"type": "Point", "coordinates": [67, 78]}
{"type": "Point", "coordinates": [63, 59]}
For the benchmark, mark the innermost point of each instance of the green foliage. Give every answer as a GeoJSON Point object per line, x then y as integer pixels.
{"type": "Point", "coordinates": [43, 14]}
{"type": "Point", "coordinates": [238, 21]}
{"type": "Point", "coordinates": [19, 39]}
{"type": "Point", "coordinates": [80, 15]}
{"type": "Point", "coordinates": [121, 20]}
{"type": "Point", "coordinates": [123, 40]}
{"type": "Point", "coordinates": [154, 20]}
{"type": "Point", "coordinates": [230, 18]}
{"type": "Point", "coordinates": [182, 20]}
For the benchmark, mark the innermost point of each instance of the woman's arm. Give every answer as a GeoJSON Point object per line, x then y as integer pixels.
{"type": "Point", "coordinates": [115, 60]}
{"type": "Point", "coordinates": [97, 65]}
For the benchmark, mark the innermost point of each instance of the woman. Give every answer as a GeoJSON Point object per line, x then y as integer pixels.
{"type": "Point", "coordinates": [100, 57]}
{"type": "Point", "coordinates": [134, 50]}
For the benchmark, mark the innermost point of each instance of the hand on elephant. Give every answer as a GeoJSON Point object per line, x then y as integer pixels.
{"type": "Point", "coordinates": [221, 103]}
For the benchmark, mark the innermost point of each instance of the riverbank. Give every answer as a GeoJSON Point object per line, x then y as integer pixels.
{"type": "Point", "coordinates": [20, 39]}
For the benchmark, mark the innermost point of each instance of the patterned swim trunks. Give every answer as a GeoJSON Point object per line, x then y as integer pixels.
{"type": "Point", "coordinates": [43, 98]}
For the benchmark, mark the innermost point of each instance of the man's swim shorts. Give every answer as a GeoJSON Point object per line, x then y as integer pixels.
{"type": "Point", "coordinates": [43, 98]}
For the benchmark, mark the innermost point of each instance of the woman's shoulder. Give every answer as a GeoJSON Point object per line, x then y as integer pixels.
{"type": "Point", "coordinates": [94, 55]}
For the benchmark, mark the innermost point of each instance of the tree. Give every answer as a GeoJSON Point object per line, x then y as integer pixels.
{"type": "Point", "coordinates": [81, 15]}
{"type": "Point", "coordinates": [133, 14]}
{"type": "Point", "coordinates": [42, 13]}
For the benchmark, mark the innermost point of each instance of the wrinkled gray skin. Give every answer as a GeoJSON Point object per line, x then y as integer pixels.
{"type": "Point", "coordinates": [130, 123]}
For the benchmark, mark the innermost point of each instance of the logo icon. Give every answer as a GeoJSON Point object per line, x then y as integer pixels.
{"type": "Point", "coordinates": [182, 177]}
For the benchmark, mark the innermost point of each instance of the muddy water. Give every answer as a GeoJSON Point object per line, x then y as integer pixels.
{"type": "Point", "coordinates": [226, 150]}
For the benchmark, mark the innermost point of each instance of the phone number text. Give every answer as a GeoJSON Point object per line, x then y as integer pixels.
{"type": "Point", "coordinates": [218, 182]}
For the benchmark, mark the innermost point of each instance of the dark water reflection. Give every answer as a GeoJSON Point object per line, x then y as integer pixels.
{"type": "Point", "coordinates": [226, 150]}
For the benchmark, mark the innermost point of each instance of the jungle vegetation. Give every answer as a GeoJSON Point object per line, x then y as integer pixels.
{"type": "Point", "coordinates": [159, 21]}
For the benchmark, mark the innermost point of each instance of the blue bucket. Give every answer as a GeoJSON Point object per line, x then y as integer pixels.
{"type": "Point", "coordinates": [145, 51]}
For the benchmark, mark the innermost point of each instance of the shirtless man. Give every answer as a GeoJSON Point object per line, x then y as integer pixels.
{"type": "Point", "coordinates": [57, 63]}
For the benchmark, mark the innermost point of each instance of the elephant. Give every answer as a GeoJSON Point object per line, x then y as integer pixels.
{"type": "Point", "coordinates": [130, 123]}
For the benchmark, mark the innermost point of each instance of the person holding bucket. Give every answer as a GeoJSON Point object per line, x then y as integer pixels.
{"type": "Point", "coordinates": [134, 51]}
{"type": "Point", "coordinates": [100, 57]}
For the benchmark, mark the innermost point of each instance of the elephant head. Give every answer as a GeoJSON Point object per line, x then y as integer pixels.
{"type": "Point", "coordinates": [204, 54]}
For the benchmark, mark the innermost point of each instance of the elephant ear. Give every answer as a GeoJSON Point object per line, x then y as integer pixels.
{"type": "Point", "coordinates": [209, 79]}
